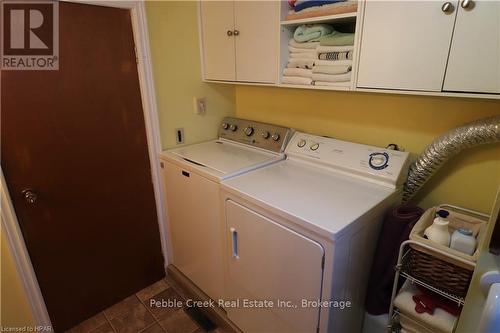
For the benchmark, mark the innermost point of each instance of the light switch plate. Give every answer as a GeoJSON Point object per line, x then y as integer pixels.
{"type": "Point", "coordinates": [200, 105]}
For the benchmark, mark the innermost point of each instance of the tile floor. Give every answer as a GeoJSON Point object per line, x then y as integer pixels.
{"type": "Point", "coordinates": [134, 314]}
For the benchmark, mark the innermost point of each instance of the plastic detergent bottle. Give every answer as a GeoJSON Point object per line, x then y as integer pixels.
{"type": "Point", "coordinates": [438, 231]}
{"type": "Point", "coordinates": [464, 241]}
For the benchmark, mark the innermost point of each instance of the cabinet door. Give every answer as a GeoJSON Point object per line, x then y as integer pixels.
{"type": "Point", "coordinates": [267, 261]}
{"type": "Point", "coordinates": [405, 44]}
{"type": "Point", "coordinates": [257, 23]}
{"type": "Point", "coordinates": [217, 28]}
{"type": "Point", "coordinates": [195, 227]}
{"type": "Point", "coordinates": [474, 63]}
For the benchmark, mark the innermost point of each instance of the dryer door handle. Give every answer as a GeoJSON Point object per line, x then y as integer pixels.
{"type": "Point", "coordinates": [234, 242]}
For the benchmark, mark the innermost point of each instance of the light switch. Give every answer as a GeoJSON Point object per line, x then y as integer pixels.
{"type": "Point", "coordinates": [200, 105]}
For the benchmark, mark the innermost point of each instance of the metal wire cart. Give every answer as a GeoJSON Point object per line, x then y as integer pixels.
{"type": "Point", "coordinates": [436, 268]}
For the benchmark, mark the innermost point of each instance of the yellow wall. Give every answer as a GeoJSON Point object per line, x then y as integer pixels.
{"type": "Point", "coordinates": [15, 309]}
{"type": "Point", "coordinates": [469, 180]}
{"type": "Point", "coordinates": [173, 33]}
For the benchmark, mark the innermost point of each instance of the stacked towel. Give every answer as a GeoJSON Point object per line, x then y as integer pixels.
{"type": "Point", "coordinates": [334, 64]}
{"type": "Point", "coordinates": [303, 4]}
{"type": "Point", "coordinates": [331, 69]}
{"type": "Point", "coordinates": [324, 10]}
{"type": "Point", "coordinates": [301, 60]}
{"type": "Point", "coordinates": [300, 63]}
{"type": "Point", "coordinates": [311, 32]}
{"type": "Point", "coordinates": [336, 38]}
{"type": "Point", "coordinates": [298, 72]}
{"type": "Point", "coordinates": [312, 61]}
{"type": "Point", "coordinates": [440, 321]}
{"type": "Point", "coordinates": [335, 52]}
{"type": "Point", "coordinates": [296, 80]}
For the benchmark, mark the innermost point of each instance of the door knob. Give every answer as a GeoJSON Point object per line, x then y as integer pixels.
{"type": "Point", "coordinates": [467, 4]}
{"type": "Point", "coordinates": [29, 195]}
{"type": "Point", "coordinates": [236, 32]}
{"type": "Point", "coordinates": [229, 33]}
{"type": "Point", "coordinates": [447, 7]}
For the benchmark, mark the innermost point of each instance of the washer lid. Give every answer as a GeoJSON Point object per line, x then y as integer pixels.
{"type": "Point", "coordinates": [319, 199]}
{"type": "Point", "coordinates": [225, 157]}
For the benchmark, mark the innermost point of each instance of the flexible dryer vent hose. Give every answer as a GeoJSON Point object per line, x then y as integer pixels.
{"type": "Point", "coordinates": [470, 135]}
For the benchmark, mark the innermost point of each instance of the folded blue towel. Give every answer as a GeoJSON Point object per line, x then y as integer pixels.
{"type": "Point", "coordinates": [313, 3]}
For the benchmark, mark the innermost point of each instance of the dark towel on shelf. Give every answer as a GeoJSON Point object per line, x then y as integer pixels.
{"type": "Point", "coordinates": [313, 3]}
{"type": "Point", "coordinates": [396, 229]}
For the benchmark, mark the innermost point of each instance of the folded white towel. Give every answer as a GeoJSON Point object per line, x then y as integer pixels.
{"type": "Point", "coordinates": [410, 326]}
{"type": "Point", "coordinates": [306, 45]}
{"type": "Point", "coordinates": [297, 72]}
{"type": "Point", "coordinates": [308, 55]}
{"type": "Point", "coordinates": [326, 49]}
{"type": "Point", "coordinates": [332, 62]}
{"type": "Point", "coordinates": [440, 321]}
{"type": "Point", "coordinates": [332, 78]}
{"type": "Point", "coordinates": [328, 84]}
{"type": "Point", "coordinates": [300, 63]}
{"type": "Point", "coordinates": [331, 69]}
{"type": "Point", "coordinates": [299, 50]}
{"type": "Point", "coordinates": [296, 80]}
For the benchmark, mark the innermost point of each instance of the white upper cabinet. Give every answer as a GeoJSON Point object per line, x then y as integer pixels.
{"type": "Point", "coordinates": [257, 41]}
{"type": "Point", "coordinates": [474, 62]}
{"type": "Point", "coordinates": [240, 40]}
{"type": "Point", "coordinates": [217, 31]}
{"type": "Point", "coordinates": [405, 44]}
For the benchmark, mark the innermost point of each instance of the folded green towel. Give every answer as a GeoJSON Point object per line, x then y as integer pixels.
{"type": "Point", "coordinates": [336, 38]}
{"type": "Point", "coordinates": [311, 32]}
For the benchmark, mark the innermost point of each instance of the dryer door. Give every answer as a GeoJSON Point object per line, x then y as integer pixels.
{"type": "Point", "coordinates": [268, 261]}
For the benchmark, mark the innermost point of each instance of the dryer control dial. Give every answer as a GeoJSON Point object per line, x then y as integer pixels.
{"type": "Point", "coordinates": [379, 161]}
{"type": "Point", "coordinates": [301, 143]}
{"type": "Point", "coordinates": [265, 134]}
{"type": "Point", "coordinates": [225, 126]}
{"type": "Point", "coordinates": [276, 136]}
{"type": "Point", "coordinates": [314, 146]}
{"type": "Point", "coordinates": [233, 127]}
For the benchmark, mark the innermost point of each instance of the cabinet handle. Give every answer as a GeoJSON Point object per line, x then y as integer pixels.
{"type": "Point", "coordinates": [447, 7]}
{"type": "Point", "coordinates": [467, 4]}
{"type": "Point", "coordinates": [229, 33]}
{"type": "Point", "coordinates": [236, 32]}
{"type": "Point", "coordinates": [234, 241]}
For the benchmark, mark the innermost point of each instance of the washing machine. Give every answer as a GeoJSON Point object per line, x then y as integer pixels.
{"type": "Point", "coordinates": [301, 233]}
{"type": "Point", "coordinates": [192, 175]}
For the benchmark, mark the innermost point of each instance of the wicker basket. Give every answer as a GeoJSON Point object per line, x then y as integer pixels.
{"type": "Point", "coordinates": [438, 273]}
{"type": "Point", "coordinates": [442, 267]}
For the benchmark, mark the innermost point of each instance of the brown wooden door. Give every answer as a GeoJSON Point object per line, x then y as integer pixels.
{"type": "Point", "coordinates": [76, 136]}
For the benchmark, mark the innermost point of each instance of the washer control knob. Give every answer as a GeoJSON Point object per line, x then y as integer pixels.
{"type": "Point", "coordinates": [314, 146]}
{"type": "Point", "coordinates": [265, 134]}
{"type": "Point", "coordinates": [233, 127]}
{"type": "Point", "coordinates": [378, 161]}
{"type": "Point", "coordinates": [225, 126]}
{"type": "Point", "coordinates": [249, 130]}
{"type": "Point", "coordinates": [276, 136]}
{"type": "Point", "coordinates": [301, 143]}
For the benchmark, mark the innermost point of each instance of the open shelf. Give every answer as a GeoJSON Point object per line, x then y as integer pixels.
{"type": "Point", "coordinates": [396, 328]}
{"type": "Point", "coordinates": [342, 86]}
{"type": "Point", "coordinates": [337, 18]}
{"type": "Point", "coordinates": [404, 272]}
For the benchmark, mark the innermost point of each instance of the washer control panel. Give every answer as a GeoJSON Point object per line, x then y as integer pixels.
{"type": "Point", "coordinates": [388, 167]}
{"type": "Point", "coordinates": [254, 133]}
